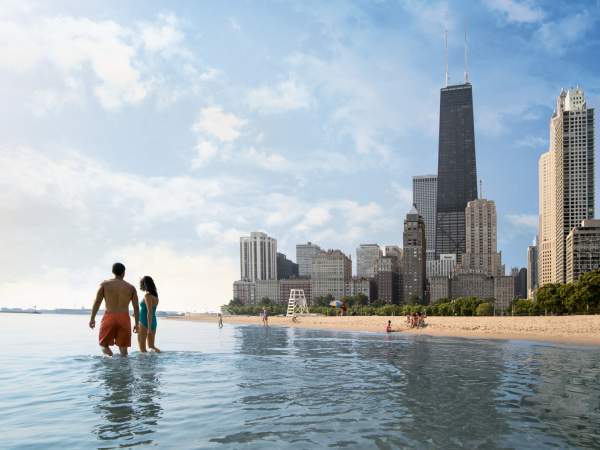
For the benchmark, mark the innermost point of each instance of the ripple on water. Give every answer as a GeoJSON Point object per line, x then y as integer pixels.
{"type": "Point", "coordinates": [291, 388]}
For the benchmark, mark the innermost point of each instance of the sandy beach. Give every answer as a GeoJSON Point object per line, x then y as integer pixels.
{"type": "Point", "coordinates": [582, 330]}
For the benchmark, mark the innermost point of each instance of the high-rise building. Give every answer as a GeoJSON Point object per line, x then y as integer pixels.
{"type": "Point", "coordinates": [304, 257]}
{"type": "Point", "coordinates": [267, 289]}
{"type": "Point", "coordinates": [285, 267]}
{"type": "Point", "coordinates": [424, 198]}
{"type": "Point", "coordinates": [364, 286]}
{"type": "Point", "coordinates": [366, 258]}
{"type": "Point", "coordinates": [245, 292]}
{"type": "Point", "coordinates": [571, 178]}
{"type": "Point", "coordinates": [583, 249]}
{"type": "Point", "coordinates": [439, 288]}
{"type": "Point", "coordinates": [331, 273]}
{"type": "Point", "coordinates": [547, 219]}
{"type": "Point", "coordinates": [457, 171]}
{"type": "Point", "coordinates": [394, 250]}
{"type": "Point", "coordinates": [387, 279]}
{"type": "Point", "coordinates": [444, 266]}
{"type": "Point", "coordinates": [414, 258]}
{"type": "Point", "coordinates": [258, 257]}
{"type": "Point", "coordinates": [481, 255]}
{"type": "Point", "coordinates": [532, 271]}
{"type": "Point", "coordinates": [519, 276]}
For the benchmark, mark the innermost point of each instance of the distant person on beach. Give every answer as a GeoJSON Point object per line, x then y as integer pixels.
{"type": "Point", "coordinates": [115, 328]}
{"type": "Point", "coordinates": [265, 317]}
{"type": "Point", "coordinates": [220, 320]}
{"type": "Point", "coordinates": [148, 321]}
{"type": "Point", "coordinates": [388, 329]}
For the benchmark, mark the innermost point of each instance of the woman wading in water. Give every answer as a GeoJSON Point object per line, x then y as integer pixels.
{"type": "Point", "coordinates": [148, 322]}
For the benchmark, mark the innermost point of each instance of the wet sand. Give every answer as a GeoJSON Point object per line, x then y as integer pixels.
{"type": "Point", "coordinates": [581, 330]}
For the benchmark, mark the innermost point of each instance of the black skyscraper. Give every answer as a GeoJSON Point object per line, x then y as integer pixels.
{"type": "Point", "coordinates": [457, 171]}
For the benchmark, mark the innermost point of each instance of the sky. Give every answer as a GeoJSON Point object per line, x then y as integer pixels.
{"type": "Point", "coordinates": [156, 134]}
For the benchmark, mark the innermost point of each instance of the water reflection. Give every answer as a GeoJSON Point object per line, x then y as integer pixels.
{"type": "Point", "coordinates": [338, 389]}
{"type": "Point", "coordinates": [129, 400]}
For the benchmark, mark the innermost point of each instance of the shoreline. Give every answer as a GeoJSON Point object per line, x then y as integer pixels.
{"type": "Point", "coordinates": [572, 330]}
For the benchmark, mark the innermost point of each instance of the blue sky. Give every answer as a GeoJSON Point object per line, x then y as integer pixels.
{"type": "Point", "coordinates": [159, 133]}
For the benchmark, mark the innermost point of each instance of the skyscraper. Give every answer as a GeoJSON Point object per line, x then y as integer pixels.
{"type": "Point", "coordinates": [285, 267]}
{"type": "Point", "coordinates": [583, 249]}
{"type": "Point", "coordinates": [366, 258]}
{"type": "Point", "coordinates": [547, 219]}
{"type": "Point", "coordinates": [481, 255]}
{"type": "Point", "coordinates": [566, 181]}
{"type": "Point", "coordinates": [331, 274]}
{"type": "Point", "coordinates": [387, 279]}
{"type": "Point", "coordinates": [572, 138]}
{"type": "Point", "coordinates": [414, 257]}
{"type": "Point", "coordinates": [258, 257]}
{"type": "Point", "coordinates": [457, 171]}
{"type": "Point", "coordinates": [532, 269]}
{"type": "Point", "coordinates": [304, 257]}
{"type": "Point", "coordinates": [424, 198]}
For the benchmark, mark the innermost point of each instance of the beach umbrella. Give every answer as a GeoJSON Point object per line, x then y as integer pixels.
{"type": "Point", "coordinates": [336, 304]}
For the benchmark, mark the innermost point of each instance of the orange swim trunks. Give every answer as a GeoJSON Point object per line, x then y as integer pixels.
{"type": "Point", "coordinates": [115, 329]}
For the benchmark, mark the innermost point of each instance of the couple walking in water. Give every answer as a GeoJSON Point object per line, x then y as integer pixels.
{"type": "Point", "coordinates": [115, 327]}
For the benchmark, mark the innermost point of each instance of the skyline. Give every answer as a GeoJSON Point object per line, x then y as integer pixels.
{"type": "Point", "coordinates": [130, 133]}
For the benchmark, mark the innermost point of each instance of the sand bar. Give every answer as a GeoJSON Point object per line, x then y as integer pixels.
{"type": "Point", "coordinates": [581, 330]}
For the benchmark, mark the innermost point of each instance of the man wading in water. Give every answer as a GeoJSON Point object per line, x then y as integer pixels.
{"type": "Point", "coordinates": [115, 328]}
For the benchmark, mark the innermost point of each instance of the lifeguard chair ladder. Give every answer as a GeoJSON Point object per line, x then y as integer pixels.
{"type": "Point", "coordinates": [297, 303]}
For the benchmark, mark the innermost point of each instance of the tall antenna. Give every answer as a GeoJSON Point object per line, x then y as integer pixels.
{"type": "Point", "coordinates": [446, 53]}
{"type": "Point", "coordinates": [480, 188]}
{"type": "Point", "coordinates": [466, 58]}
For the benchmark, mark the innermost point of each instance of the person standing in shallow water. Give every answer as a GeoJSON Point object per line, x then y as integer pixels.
{"type": "Point", "coordinates": [148, 321]}
{"type": "Point", "coordinates": [115, 328]}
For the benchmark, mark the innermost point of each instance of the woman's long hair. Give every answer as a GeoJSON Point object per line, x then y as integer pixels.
{"type": "Point", "coordinates": [147, 285]}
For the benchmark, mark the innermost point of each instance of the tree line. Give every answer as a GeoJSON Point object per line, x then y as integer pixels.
{"type": "Point", "coordinates": [581, 297]}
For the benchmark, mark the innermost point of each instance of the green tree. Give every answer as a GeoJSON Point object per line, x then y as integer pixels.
{"type": "Point", "coordinates": [549, 298]}
{"type": "Point", "coordinates": [362, 299]}
{"type": "Point", "coordinates": [265, 301]}
{"type": "Point", "coordinates": [235, 302]}
{"type": "Point", "coordinates": [484, 309]}
{"type": "Point", "coordinates": [587, 291]}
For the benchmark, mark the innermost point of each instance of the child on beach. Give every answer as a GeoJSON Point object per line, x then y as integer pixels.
{"type": "Point", "coordinates": [265, 317]}
{"type": "Point", "coordinates": [220, 320]}
{"type": "Point", "coordinates": [388, 329]}
{"type": "Point", "coordinates": [148, 322]}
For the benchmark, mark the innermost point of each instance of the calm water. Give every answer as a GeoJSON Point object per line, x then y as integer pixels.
{"type": "Point", "coordinates": [283, 388]}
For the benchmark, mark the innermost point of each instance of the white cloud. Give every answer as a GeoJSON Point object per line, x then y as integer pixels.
{"type": "Point", "coordinates": [404, 194]}
{"type": "Point", "coordinates": [286, 96]}
{"type": "Point", "coordinates": [76, 183]}
{"type": "Point", "coordinates": [163, 35]}
{"type": "Point", "coordinates": [219, 233]}
{"type": "Point", "coordinates": [265, 160]}
{"type": "Point", "coordinates": [187, 281]}
{"type": "Point", "coordinates": [527, 221]}
{"type": "Point", "coordinates": [533, 142]}
{"type": "Point", "coordinates": [226, 127]}
{"type": "Point", "coordinates": [205, 151]}
{"type": "Point", "coordinates": [70, 56]}
{"type": "Point", "coordinates": [517, 11]}
{"type": "Point", "coordinates": [558, 36]}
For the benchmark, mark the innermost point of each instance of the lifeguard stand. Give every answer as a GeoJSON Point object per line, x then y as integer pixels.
{"type": "Point", "coordinates": [297, 303]}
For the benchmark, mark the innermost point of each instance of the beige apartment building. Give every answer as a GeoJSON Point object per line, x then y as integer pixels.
{"type": "Point", "coordinates": [566, 181]}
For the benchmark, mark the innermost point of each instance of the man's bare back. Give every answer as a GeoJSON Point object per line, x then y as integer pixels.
{"type": "Point", "coordinates": [117, 294]}
{"type": "Point", "coordinates": [116, 327]}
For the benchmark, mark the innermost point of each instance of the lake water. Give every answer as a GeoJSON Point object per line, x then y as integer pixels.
{"type": "Point", "coordinates": [251, 387]}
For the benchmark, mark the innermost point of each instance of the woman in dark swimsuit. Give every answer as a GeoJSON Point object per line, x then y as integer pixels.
{"type": "Point", "coordinates": [148, 322]}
